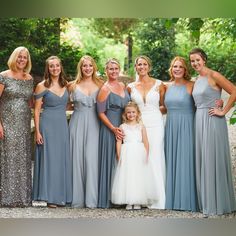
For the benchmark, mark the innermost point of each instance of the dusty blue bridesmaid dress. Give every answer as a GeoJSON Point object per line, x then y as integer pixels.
{"type": "Point", "coordinates": [52, 169]}
{"type": "Point", "coordinates": [179, 150]}
{"type": "Point", "coordinates": [84, 137]}
{"type": "Point", "coordinates": [113, 107]}
{"type": "Point", "coordinates": [213, 161]}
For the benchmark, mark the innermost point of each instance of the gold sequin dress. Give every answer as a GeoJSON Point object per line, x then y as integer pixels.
{"type": "Point", "coordinates": [15, 147]}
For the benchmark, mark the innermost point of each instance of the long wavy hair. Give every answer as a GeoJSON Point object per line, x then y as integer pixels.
{"type": "Point", "coordinates": [185, 65]}
{"type": "Point", "coordinates": [47, 77]}
{"type": "Point", "coordinates": [79, 75]}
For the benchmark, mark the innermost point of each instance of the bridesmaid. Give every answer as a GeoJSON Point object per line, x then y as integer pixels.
{"type": "Point", "coordinates": [16, 89]}
{"type": "Point", "coordinates": [215, 188]}
{"type": "Point", "coordinates": [179, 139]}
{"type": "Point", "coordinates": [84, 134]}
{"type": "Point", "coordinates": [111, 101]}
{"type": "Point", "coordinates": [52, 169]}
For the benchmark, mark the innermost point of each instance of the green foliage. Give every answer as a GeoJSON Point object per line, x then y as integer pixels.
{"type": "Point", "coordinates": [232, 119]}
{"type": "Point", "coordinates": [70, 57]}
{"type": "Point", "coordinates": [98, 46]}
{"type": "Point", "coordinates": [160, 39]}
{"type": "Point", "coordinates": [44, 42]}
{"type": "Point", "coordinates": [40, 36]}
{"type": "Point", "coordinates": [194, 26]}
{"type": "Point", "coordinates": [217, 38]}
{"type": "Point", "coordinates": [115, 28]}
{"type": "Point", "coordinates": [156, 39]}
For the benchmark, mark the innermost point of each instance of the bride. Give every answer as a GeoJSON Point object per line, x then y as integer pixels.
{"type": "Point", "coordinates": [148, 93]}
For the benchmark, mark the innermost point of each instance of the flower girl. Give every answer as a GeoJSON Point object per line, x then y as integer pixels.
{"type": "Point", "coordinates": [130, 184]}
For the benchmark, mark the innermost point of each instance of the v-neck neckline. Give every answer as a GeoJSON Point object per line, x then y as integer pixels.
{"type": "Point", "coordinates": [57, 94]}
{"type": "Point", "coordinates": [144, 99]}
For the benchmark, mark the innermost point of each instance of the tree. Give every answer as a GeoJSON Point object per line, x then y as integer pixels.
{"type": "Point", "coordinates": [120, 29]}
{"type": "Point", "coordinates": [157, 40]}
{"type": "Point", "coordinates": [40, 36]}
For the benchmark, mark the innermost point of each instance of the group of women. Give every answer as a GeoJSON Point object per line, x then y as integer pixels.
{"type": "Point", "coordinates": [74, 165]}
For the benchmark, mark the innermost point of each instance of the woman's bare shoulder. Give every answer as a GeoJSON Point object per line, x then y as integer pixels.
{"type": "Point", "coordinates": [40, 87]}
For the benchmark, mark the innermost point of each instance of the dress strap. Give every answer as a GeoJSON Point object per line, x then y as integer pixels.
{"type": "Point", "coordinates": [108, 87]}
{"type": "Point", "coordinates": [40, 95]}
{"type": "Point", "coordinates": [157, 84]}
{"type": "Point", "coordinates": [131, 85]}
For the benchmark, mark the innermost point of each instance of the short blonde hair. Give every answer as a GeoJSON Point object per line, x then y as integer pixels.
{"type": "Point", "coordinates": [13, 58]}
{"type": "Point", "coordinates": [134, 105]}
{"type": "Point", "coordinates": [113, 61]}
{"type": "Point", "coordinates": [184, 63]}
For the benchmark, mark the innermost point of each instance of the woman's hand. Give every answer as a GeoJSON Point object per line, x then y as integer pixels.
{"type": "Point", "coordinates": [215, 112]}
{"type": "Point", "coordinates": [39, 138]}
{"type": "Point", "coordinates": [1, 132]}
{"type": "Point", "coordinates": [219, 103]}
{"type": "Point", "coordinates": [118, 133]}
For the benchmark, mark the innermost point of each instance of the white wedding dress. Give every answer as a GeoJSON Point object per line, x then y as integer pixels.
{"type": "Point", "coordinates": [153, 121]}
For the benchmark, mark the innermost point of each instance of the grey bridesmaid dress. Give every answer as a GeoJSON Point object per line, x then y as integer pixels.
{"type": "Point", "coordinates": [113, 107]}
{"type": "Point", "coordinates": [52, 180]}
{"type": "Point", "coordinates": [179, 150]}
{"type": "Point", "coordinates": [213, 161]}
{"type": "Point", "coordinates": [84, 136]}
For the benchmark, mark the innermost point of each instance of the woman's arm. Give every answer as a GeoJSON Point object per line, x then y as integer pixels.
{"type": "Point", "coordinates": [225, 84]}
{"type": "Point", "coordinates": [162, 91]}
{"type": "Point", "coordinates": [102, 96]}
{"type": "Point", "coordinates": [37, 109]}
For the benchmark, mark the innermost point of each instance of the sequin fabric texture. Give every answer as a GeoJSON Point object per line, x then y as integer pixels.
{"type": "Point", "coordinates": [15, 147]}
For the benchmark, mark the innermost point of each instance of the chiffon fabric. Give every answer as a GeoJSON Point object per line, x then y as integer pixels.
{"type": "Point", "coordinates": [84, 137]}
{"type": "Point", "coordinates": [52, 168]}
{"type": "Point", "coordinates": [180, 150]}
{"type": "Point", "coordinates": [113, 107]}
{"type": "Point", "coordinates": [213, 161]}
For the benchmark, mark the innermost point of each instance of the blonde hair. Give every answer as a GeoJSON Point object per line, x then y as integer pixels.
{"type": "Point", "coordinates": [79, 75]}
{"type": "Point", "coordinates": [184, 63]}
{"type": "Point", "coordinates": [13, 58]}
{"type": "Point", "coordinates": [134, 105]}
{"type": "Point", "coordinates": [113, 61]}
{"type": "Point", "coordinates": [147, 59]}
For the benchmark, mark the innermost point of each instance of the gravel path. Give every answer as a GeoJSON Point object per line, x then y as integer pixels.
{"type": "Point", "coordinates": [39, 210]}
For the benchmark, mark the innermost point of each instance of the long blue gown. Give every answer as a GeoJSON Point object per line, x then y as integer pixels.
{"type": "Point", "coordinates": [52, 169]}
{"type": "Point", "coordinates": [113, 107]}
{"type": "Point", "coordinates": [179, 150]}
{"type": "Point", "coordinates": [215, 188]}
{"type": "Point", "coordinates": [84, 137]}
